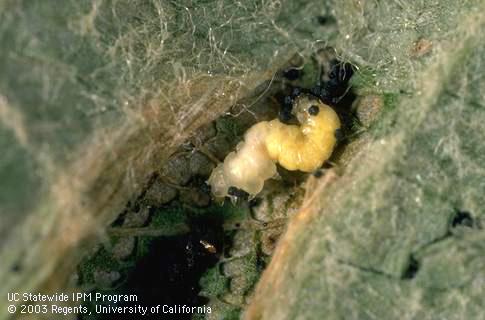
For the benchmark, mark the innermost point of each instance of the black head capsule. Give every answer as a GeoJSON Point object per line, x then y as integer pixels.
{"type": "Point", "coordinates": [313, 110]}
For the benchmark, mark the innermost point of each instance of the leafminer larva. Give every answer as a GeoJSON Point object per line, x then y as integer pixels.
{"type": "Point", "coordinates": [301, 147]}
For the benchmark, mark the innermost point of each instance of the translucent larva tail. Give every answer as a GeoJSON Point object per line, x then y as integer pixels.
{"type": "Point", "coordinates": [246, 168]}
{"type": "Point", "coordinates": [217, 182]}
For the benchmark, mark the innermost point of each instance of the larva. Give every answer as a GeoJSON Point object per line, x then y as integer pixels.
{"type": "Point", "coordinates": [301, 147]}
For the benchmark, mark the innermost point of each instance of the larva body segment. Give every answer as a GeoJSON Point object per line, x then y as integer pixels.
{"type": "Point", "coordinates": [301, 147]}
{"type": "Point", "coordinates": [246, 168]}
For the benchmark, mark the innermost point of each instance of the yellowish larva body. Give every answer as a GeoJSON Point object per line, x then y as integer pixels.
{"type": "Point", "coordinates": [301, 147]}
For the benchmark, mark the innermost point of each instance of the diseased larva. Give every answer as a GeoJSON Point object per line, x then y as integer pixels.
{"type": "Point", "coordinates": [303, 147]}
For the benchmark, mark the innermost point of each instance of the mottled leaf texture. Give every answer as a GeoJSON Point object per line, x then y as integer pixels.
{"type": "Point", "coordinates": [398, 235]}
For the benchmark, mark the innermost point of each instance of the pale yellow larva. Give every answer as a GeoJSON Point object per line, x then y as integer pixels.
{"type": "Point", "coordinates": [301, 147]}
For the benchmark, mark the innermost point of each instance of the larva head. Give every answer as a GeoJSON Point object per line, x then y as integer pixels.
{"type": "Point", "coordinates": [311, 111]}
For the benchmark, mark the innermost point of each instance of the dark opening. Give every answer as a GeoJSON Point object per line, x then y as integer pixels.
{"type": "Point", "coordinates": [412, 268]}
{"type": "Point", "coordinates": [462, 218]}
{"type": "Point", "coordinates": [169, 274]}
